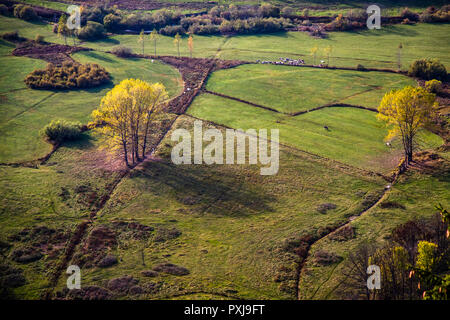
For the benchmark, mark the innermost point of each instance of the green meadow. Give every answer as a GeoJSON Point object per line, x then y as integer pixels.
{"type": "Point", "coordinates": [292, 89]}
{"type": "Point", "coordinates": [230, 227]}
{"type": "Point", "coordinates": [354, 137]}
{"type": "Point", "coordinates": [26, 111]}
{"type": "Point", "coordinates": [233, 221]}
{"type": "Point", "coordinates": [370, 48]}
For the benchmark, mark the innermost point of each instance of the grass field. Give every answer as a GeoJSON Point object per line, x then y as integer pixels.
{"type": "Point", "coordinates": [233, 229]}
{"type": "Point", "coordinates": [232, 220]}
{"type": "Point", "coordinates": [293, 89]}
{"type": "Point", "coordinates": [419, 193]}
{"type": "Point", "coordinates": [377, 48]}
{"type": "Point", "coordinates": [355, 136]}
{"type": "Point", "coordinates": [26, 111]}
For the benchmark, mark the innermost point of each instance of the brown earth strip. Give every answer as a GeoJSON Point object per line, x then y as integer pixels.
{"type": "Point", "coordinates": [50, 52]}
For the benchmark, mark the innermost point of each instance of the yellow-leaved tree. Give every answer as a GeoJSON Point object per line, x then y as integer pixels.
{"type": "Point", "coordinates": [190, 45]}
{"type": "Point", "coordinates": [141, 40]}
{"type": "Point", "coordinates": [125, 116]}
{"type": "Point", "coordinates": [407, 111]}
{"type": "Point", "coordinates": [154, 37]}
{"type": "Point", "coordinates": [177, 42]}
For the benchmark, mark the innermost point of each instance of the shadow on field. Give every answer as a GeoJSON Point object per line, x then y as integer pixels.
{"type": "Point", "coordinates": [204, 189]}
{"type": "Point", "coordinates": [97, 56]}
{"type": "Point", "coordinates": [388, 30]}
{"type": "Point", "coordinates": [82, 143]}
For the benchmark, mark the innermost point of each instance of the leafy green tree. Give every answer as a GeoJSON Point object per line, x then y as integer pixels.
{"type": "Point", "coordinates": [141, 39]}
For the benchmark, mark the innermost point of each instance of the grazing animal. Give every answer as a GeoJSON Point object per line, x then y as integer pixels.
{"type": "Point", "coordinates": [326, 128]}
{"type": "Point", "coordinates": [388, 144]}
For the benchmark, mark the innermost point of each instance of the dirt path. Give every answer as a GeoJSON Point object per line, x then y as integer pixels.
{"type": "Point", "coordinates": [304, 259]}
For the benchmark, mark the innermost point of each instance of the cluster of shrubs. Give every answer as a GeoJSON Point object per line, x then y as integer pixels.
{"type": "Point", "coordinates": [341, 23]}
{"type": "Point", "coordinates": [122, 51]}
{"type": "Point", "coordinates": [25, 12]}
{"type": "Point", "coordinates": [434, 86]}
{"type": "Point", "coordinates": [91, 31]}
{"type": "Point", "coordinates": [69, 75]}
{"type": "Point", "coordinates": [11, 36]}
{"type": "Point", "coordinates": [4, 10]}
{"type": "Point", "coordinates": [59, 131]}
{"type": "Point", "coordinates": [433, 15]}
{"type": "Point", "coordinates": [428, 69]}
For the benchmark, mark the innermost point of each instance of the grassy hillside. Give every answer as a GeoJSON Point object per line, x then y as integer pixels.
{"type": "Point", "coordinates": [233, 221]}
{"type": "Point", "coordinates": [355, 136]}
{"type": "Point", "coordinates": [371, 48]}
{"type": "Point", "coordinates": [293, 89]}
{"type": "Point", "coordinates": [27, 111]}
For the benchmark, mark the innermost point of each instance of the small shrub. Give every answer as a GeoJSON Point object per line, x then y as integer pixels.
{"type": "Point", "coordinates": [323, 257]}
{"type": "Point", "coordinates": [433, 86]}
{"type": "Point", "coordinates": [171, 269]}
{"type": "Point", "coordinates": [111, 22]}
{"type": "Point", "coordinates": [92, 31]}
{"type": "Point", "coordinates": [108, 261]}
{"type": "Point", "coordinates": [428, 69]}
{"type": "Point", "coordinates": [391, 205]}
{"type": "Point", "coordinates": [324, 207]}
{"type": "Point", "coordinates": [39, 38]}
{"type": "Point", "coordinates": [4, 10]}
{"type": "Point", "coordinates": [59, 131]}
{"type": "Point", "coordinates": [172, 30]}
{"type": "Point", "coordinates": [25, 12]}
{"type": "Point", "coordinates": [122, 51]}
{"type": "Point", "coordinates": [408, 14]}
{"type": "Point", "coordinates": [360, 67]}
{"type": "Point", "coordinates": [11, 36]}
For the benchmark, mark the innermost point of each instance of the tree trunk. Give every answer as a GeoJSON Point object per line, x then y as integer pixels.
{"type": "Point", "coordinates": [125, 153]}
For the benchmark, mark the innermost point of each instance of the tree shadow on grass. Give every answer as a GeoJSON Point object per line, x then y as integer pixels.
{"type": "Point", "coordinates": [96, 55]}
{"type": "Point", "coordinates": [85, 141]}
{"type": "Point", "coordinates": [206, 189]}
{"type": "Point", "coordinates": [387, 30]}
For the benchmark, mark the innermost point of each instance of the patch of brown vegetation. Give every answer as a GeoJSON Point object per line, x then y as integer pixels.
{"type": "Point", "coordinates": [32, 244]}
{"type": "Point", "coordinates": [343, 234]}
{"type": "Point", "coordinates": [145, 5]}
{"type": "Point", "coordinates": [132, 230]}
{"type": "Point", "coordinates": [428, 162]}
{"type": "Point", "coordinates": [85, 293]}
{"type": "Point", "coordinates": [53, 53]}
{"type": "Point", "coordinates": [100, 240]}
{"type": "Point", "coordinates": [171, 269]}
{"type": "Point", "coordinates": [194, 72]}
{"type": "Point", "coordinates": [323, 257]}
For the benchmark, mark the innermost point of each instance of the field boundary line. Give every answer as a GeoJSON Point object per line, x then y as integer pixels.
{"type": "Point", "coordinates": [342, 166]}
{"type": "Point", "coordinates": [294, 114]}
{"type": "Point", "coordinates": [32, 107]}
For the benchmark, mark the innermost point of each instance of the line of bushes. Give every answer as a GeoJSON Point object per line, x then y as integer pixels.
{"type": "Point", "coordinates": [69, 75]}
